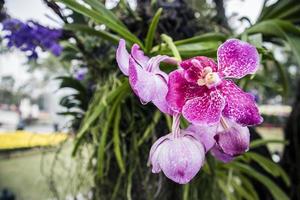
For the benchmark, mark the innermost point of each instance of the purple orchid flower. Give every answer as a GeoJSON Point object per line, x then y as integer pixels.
{"type": "Point", "coordinates": [225, 140]}
{"type": "Point", "coordinates": [179, 155]}
{"type": "Point", "coordinates": [233, 141]}
{"type": "Point", "coordinates": [148, 82]}
{"type": "Point", "coordinates": [201, 92]}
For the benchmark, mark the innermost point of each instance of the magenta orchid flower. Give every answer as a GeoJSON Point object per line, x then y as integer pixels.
{"type": "Point", "coordinates": [148, 82]}
{"type": "Point", "coordinates": [179, 155]}
{"type": "Point", "coordinates": [225, 140]}
{"type": "Point", "coordinates": [201, 92]}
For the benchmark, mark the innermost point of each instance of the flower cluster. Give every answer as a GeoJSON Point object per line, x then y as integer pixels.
{"type": "Point", "coordinates": [28, 36]}
{"type": "Point", "coordinates": [201, 91]}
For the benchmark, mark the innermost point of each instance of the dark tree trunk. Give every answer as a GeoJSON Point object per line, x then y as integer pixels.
{"type": "Point", "coordinates": [291, 157]}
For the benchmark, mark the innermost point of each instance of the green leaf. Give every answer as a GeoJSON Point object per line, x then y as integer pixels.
{"type": "Point", "coordinates": [92, 32]}
{"type": "Point", "coordinates": [94, 112]}
{"type": "Point", "coordinates": [149, 129]}
{"type": "Point", "coordinates": [104, 132]}
{"type": "Point", "coordinates": [282, 9]}
{"type": "Point", "coordinates": [269, 166]}
{"type": "Point", "coordinates": [202, 38]}
{"type": "Point", "coordinates": [116, 141]}
{"type": "Point", "coordinates": [224, 187]}
{"type": "Point", "coordinates": [101, 18]}
{"type": "Point", "coordinates": [247, 184]}
{"type": "Point", "coordinates": [109, 15]}
{"type": "Point", "coordinates": [192, 49]}
{"type": "Point", "coordinates": [151, 30]}
{"type": "Point", "coordinates": [262, 142]}
{"type": "Point", "coordinates": [276, 192]}
{"type": "Point", "coordinates": [239, 188]}
{"type": "Point", "coordinates": [280, 29]}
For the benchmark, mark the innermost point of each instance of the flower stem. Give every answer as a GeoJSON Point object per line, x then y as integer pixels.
{"type": "Point", "coordinates": [176, 125]}
{"type": "Point", "coordinates": [224, 123]}
{"type": "Point", "coordinates": [171, 45]}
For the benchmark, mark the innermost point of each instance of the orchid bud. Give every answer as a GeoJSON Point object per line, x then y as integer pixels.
{"type": "Point", "coordinates": [231, 142]}
{"type": "Point", "coordinates": [179, 157]}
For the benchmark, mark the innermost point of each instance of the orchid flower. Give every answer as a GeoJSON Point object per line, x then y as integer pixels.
{"type": "Point", "coordinates": [201, 92]}
{"type": "Point", "coordinates": [179, 154]}
{"type": "Point", "coordinates": [225, 140]}
{"type": "Point", "coordinates": [148, 82]}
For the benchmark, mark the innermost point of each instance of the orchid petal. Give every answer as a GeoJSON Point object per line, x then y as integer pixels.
{"type": "Point", "coordinates": [139, 56]}
{"type": "Point", "coordinates": [233, 141]}
{"type": "Point", "coordinates": [179, 90]}
{"type": "Point", "coordinates": [141, 81]}
{"type": "Point", "coordinates": [240, 106]}
{"type": "Point", "coordinates": [122, 57]}
{"type": "Point", "coordinates": [200, 62]}
{"type": "Point", "coordinates": [159, 96]}
{"type": "Point", "coordinates": [217, 153]}
{"type": "Point", "coordinates": [194, 67]}
{"type": "Point", "coordinates": [205, 109]}
{"type": "Point", "coordinates": [237, 59]}
{"type": "Point", "coordinates": [155, 152]}
{"type": "Point", "coordinates": [178, 161]}
{"type": "Point", "coordinates": [205, 134]}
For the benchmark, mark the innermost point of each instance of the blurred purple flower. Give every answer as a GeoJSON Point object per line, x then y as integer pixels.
{"type": "Point", "coordinates": [30, 35]}
{"type": "Point", "coordinates": [80, 73]}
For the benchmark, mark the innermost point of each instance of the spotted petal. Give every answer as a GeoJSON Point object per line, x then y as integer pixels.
{"type": "Point", "coordinates": [240, 106]}
{"type": "Point", "coordinates": [122, 57]}
{"type": "Point", "coordinates": [180, 90]}
{"type": "Point", "coordinates": [193, 67]}
{"type": "Point", "coordinates": [205, 109]}
{"type": "Point", "coordinates": [237, 59]}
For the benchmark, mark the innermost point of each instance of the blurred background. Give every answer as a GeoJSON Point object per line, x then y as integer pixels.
{"type": "Point", "coordinates": [57, 67]}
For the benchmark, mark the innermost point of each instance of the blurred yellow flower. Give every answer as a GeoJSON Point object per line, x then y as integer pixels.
{"type": "Point", "coordinates": [25, 139]}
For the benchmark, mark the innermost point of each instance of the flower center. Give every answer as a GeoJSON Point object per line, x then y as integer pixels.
{"type": "Point", "coordinates": [209, 78]}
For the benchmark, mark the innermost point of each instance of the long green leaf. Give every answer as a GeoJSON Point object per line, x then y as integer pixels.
{"type": "Point", "coordinates": [150, 128]}
{"type": "Point", "coordinates": [276, 192]}
{"type": "Point", "coordinates": [103, 138]}
{"type": "Point", "coordinates": [269, 166]}
{"type": "Point", "coordinates": [241, 190]}
{"type": "Point", "coordinates": [99, 7]}
{"type": "Point", "coordinates": [151, 30]}
{"type": "Point", "coordinates": [96, 111]}
{"type": "Point", "coordinates": [98, 17]}
{"type": "Point", "coordinates": [92, 32]}
{"type": "Point", "coordinates": [116, 141]}
{"type": "Point", "coordinates": [280, 29]}
{"type": "Point", "coordinates": [262, 142]}
{"type": "Point", "coordinates": [202, 38]}
{"type": "Point", "coordinates": [249, 187]}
